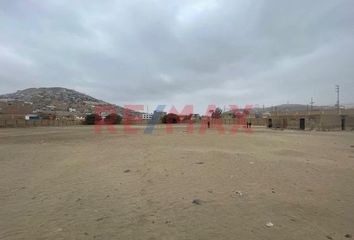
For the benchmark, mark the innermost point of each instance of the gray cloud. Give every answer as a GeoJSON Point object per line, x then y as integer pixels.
{"type": "Point", "coordinates": [181, 52]}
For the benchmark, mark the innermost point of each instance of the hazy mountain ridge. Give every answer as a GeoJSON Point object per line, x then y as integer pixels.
{"type": "Point", "coordinates": [55, 98]}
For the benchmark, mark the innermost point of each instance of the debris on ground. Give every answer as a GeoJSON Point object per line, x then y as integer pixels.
{"type": "Point", "coordinates": [100, 219]}
{"type": "Point", "coordinates": [126, 171]}
{"type": "Point", "coordinates": [348, 235]}
{"type": "Point", "coordinates": [269, 224]}
{"type": "Point", "coordinates": [239, 193]}
{"type": "Point", "coordinates": [236, 194]}
{"type": "Point", "coordinates": [199, 163]}
{"type": "Point", "coordinates": [197, 201]}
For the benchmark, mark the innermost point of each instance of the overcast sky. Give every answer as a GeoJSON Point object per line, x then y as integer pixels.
{"type": "Point", "coordinates": [181, 52]}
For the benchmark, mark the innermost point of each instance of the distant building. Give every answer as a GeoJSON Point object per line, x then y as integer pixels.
{"type": "Point", "coordinates": [31, 117]}
{"type": "Point", "coordinates": [50, 108]}
{"type": "Point", "coordinates": [146, 116]}
{"type": "Point", "coordinates": [14, 109]}
{"type": "Point", "coordinates": [196, 117]}
{"type": "Point", "coordinates": [228, 115]}
{"type": "Point", "coordinates": [317, 120]}
{"type": "Point", "coordinates": [104, 114]}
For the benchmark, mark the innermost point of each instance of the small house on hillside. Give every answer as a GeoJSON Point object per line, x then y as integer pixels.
{"type": "Point", "coordinates": [32, 117]}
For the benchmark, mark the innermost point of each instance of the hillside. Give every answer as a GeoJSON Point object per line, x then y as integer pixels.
{"type": "Point", "coordinates": [55, 99]}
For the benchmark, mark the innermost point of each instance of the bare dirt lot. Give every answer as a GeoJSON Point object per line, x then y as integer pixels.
{"type": "Point", "coordinates": [70, 183]}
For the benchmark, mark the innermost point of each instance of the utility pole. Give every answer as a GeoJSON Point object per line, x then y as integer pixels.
{"type": "Point", "coordinates": [337, 105]}
{"type": "Point", "coordinates": [312, 102]}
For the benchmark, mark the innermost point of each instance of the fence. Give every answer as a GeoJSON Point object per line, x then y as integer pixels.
{"type": "Point", "coordinates": [254, 121]}
{"type": "Point", "coordinates": [21, 123]}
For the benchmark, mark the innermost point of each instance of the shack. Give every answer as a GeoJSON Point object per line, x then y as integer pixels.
{"type": "Point", "coordinates": [319, 120]}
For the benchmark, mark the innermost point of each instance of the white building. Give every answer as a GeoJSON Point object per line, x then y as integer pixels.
{"type": "Point", "coordinates": [31, 117]}
{"type": "Point", "coordinates": [147, 116]}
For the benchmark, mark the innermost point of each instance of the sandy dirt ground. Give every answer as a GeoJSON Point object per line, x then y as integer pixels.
{"type": "Point", "coordinates": [70, 183]}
